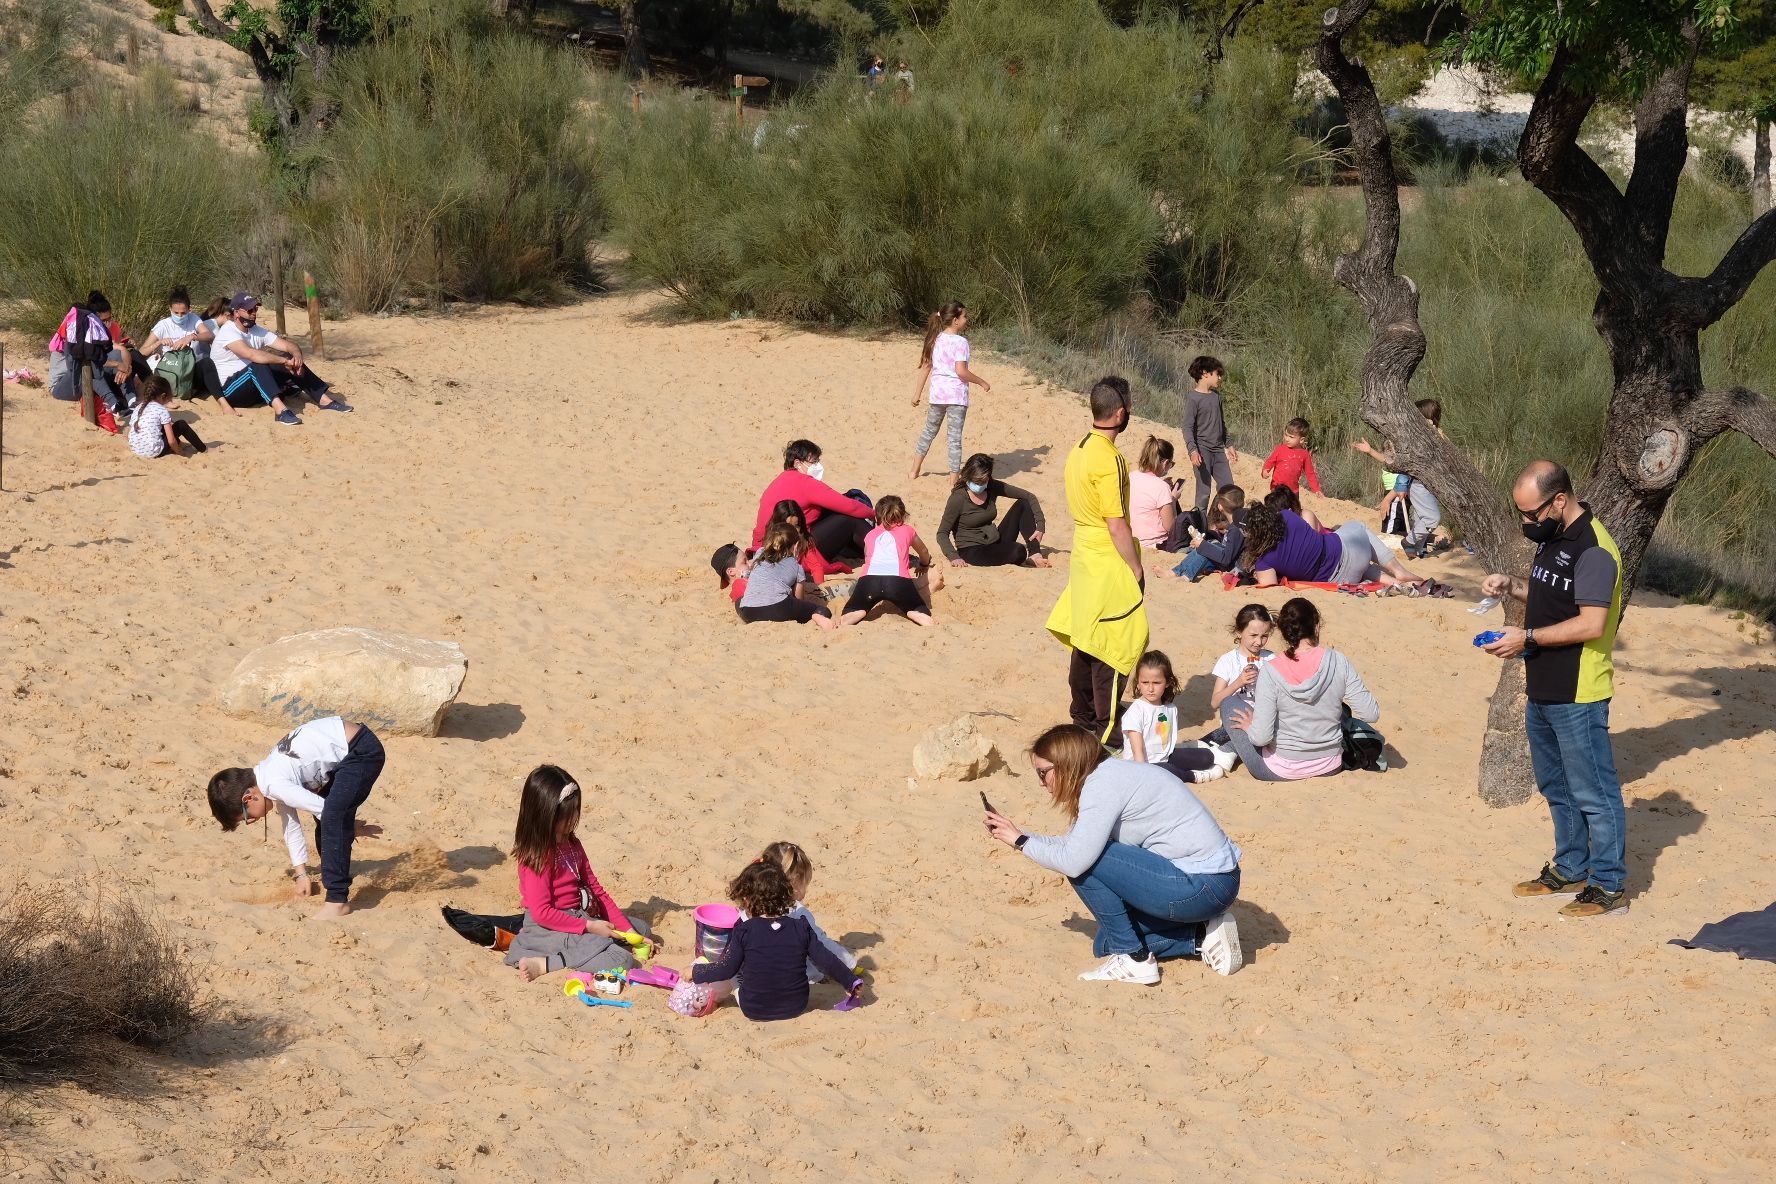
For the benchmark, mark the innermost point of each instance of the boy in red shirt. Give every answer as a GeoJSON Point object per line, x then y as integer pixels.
{"type": "Point", "coordinates": [1291, 460]}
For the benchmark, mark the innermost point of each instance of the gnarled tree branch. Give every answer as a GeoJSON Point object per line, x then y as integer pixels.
{"type": "Point", "coordinates": [1661, 148]}
{"type": "Point", "coordinates": [1390, 302]}
{"type": "Point", "coordinates": [1703, 301]}
{"type": "Point", "coordinates": [1739, 408]}
{"type": "Point", "coordinates": [1550, 158]}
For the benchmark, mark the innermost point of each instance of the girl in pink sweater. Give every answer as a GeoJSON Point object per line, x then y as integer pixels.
{"type": "Point", "coordinates": [570, 921]}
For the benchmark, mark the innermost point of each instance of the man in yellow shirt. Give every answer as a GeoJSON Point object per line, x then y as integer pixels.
{"type": "Point", "coordinates": [1102, 614]}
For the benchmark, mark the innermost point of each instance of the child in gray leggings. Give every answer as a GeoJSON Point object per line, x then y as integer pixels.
{"type": "Point", "coordinates": [944, 374]}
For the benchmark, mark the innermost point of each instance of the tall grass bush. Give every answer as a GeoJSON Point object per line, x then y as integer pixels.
{"type": "Point", "coordinates": [122, 192]}
{"type": "Point", "coordinates": [1049, 172]}
{"type": "Point", "coordinates": [460, 164]}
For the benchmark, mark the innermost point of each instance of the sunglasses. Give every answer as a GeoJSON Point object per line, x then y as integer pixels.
{"type": "Point", "coordinates": [1042, 772]}
{"type": "Point", "coordinates": [1532, 515]}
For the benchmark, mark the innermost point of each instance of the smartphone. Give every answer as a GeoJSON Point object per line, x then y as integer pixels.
{"type": "Point", "coordinates": [986, 805]}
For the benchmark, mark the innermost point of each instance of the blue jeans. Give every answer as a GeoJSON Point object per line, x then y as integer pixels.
{"type": "Point", "coordinates": [1143, 902]}
{"type": "Point", "coordinates": [1195, 566]}
{"type": "Point", "coordinates": [1569, 745]}
{"type": "Point", "coordinates": [338, 823]}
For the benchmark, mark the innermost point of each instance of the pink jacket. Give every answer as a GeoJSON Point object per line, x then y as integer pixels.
{"type": "Point", "coordinates": [814, 497]}
{"type": "Point", "coordinates": [548, 897]}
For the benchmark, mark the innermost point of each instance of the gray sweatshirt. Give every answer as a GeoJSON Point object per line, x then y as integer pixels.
{"type": "Point", "coordinates": [1144, 806]}
{"type": "Point", "coordinates": [1306, 719]}
{"type": "Point", "coordinates": [1204, 428]}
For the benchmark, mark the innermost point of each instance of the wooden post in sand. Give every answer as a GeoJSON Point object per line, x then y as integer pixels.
{"type": "Point", "coordinates": [277, 283]}
{"type": "Point", "coordinates": [741, 82]}
{"type": "Point", "coordinates": [89, 398]}
{"type": "Point", "coordinates": [314, 314]}
{"type": "Point", "coordinates": [635, 98]}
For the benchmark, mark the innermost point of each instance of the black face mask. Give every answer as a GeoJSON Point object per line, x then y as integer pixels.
{"type": "Point", "coordinates": [1541, 532]}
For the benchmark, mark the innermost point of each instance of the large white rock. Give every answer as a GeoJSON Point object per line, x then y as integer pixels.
{"type": "Point", "coordinates": [955, 751]}
{"type": "Point", "coordinates": [395, 683]}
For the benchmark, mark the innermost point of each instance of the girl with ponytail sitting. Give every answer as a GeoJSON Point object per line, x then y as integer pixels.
{"type": "Point", "coordinates": [1294, 728]}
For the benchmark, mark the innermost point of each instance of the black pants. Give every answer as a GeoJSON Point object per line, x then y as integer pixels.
{"type": "Point", "coordinates": [338, 824]}
{"type": "Point", "coordinates": [206, 380]}
{"type": "Point", "coordinates": [900, 591]}
{"type": "Point", "coordinates": [840, 537]}
{"type": "Point", "coordinates": [1097, 696]}
{"type": "Point", "coordinates": [1185, 761]}
{"type": "Point", "coordinates": [790, 608]}
{"type": "Point", "coordinates": [184, 431]}
{"type": "Point", "coordinates": [1013, 546]}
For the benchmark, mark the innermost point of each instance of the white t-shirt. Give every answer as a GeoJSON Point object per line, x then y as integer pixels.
{"type": "Point", "coordinates": [170, 329]}
{"type": "Point", "coordinates": [1158, 725]}
{"type": "Point", "coordinates": [147, 440]}
{"type": "Point", "coordinates": [229, 363]}
{"type": "Point", "coordinates": [302, 763]}
{"type": "Point", "coordinates": [946, 387]}
{"type": "Point", "coordinates": [1232, 664]}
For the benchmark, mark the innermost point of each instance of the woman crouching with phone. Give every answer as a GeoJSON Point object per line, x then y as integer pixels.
{"type": "Point", "coordinates": [1162, 886]}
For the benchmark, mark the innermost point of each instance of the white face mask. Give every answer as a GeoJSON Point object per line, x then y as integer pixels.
{"type": "Point", "coordinates": [817, 471]}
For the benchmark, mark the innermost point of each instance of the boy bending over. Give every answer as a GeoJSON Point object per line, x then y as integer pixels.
{"type": "Point", "coordinates": [325, 767]}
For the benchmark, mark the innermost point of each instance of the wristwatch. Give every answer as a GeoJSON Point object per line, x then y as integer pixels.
{"type": "Point", "coordinates": [1021, 840]}
{"type": "Point", "coordinates": [1529, 638]}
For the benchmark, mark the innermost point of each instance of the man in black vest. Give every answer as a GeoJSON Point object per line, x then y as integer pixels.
{"type": "Point", "coordinates": [1573, 600]}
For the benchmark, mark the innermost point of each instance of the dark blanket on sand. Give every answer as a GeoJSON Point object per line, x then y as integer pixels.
{"type": "Point", "coordinates": [1749, 935]}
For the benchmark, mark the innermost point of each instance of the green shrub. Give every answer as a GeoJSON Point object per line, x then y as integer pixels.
{"type": "Point", "coordinates": [459, 163]}
{"type": "Point", "coordinates": [123, 194]}
{"type": "Point", "coordinates": [1084, 183]}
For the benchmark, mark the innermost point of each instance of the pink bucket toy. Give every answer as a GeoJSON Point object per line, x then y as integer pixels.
{"type": "Point", "coordinates": [715, 925]}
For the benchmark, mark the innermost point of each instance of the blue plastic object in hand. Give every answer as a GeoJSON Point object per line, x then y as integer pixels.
{"type": "Point", "coordinates": [1488, 637]}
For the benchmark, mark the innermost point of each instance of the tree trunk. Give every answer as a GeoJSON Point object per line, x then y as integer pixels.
{"type": "Point", "coordinates": [1397, 346]}
{"type": "Point", "coordinates": [635, 51]}
{"type": "Point", "coordinates": [1760, 167]}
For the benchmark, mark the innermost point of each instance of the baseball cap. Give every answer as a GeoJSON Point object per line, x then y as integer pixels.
{"type": "Point", "coordinates": [725, 557]}
{"type": "Point", "coordinates": [243, 300]}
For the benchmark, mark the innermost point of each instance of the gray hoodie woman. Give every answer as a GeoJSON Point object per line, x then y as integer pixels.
{"type": "Point", "coordinates": [1295, 728]}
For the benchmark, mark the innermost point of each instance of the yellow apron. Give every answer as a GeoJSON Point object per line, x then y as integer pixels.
{"type": "Point", "coordinates": [1102, 611]}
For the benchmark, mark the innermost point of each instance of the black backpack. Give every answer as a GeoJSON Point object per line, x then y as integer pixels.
{"type": "Point", "coordinates": [1364, 747]}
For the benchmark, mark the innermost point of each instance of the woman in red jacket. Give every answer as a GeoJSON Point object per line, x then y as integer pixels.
{"type": "Point", "coordinates": [838, 523]}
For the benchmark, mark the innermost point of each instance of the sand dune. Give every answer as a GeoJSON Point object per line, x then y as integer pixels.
{"type": "Point", "coordinates": [544, 488]}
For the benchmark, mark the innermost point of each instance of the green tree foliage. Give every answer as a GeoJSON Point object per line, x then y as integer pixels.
{"type": "Point", "coordinates": [459, 163]}
{"type": "Point", "coordinates": [1614, 45]}
{"type": "Point", "coordinates": [291, 45]}
{"type": "Point", "coordinates": [1738, 74]}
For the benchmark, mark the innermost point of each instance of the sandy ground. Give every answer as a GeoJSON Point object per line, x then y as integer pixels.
{"type": "Point", "coordinates": [545, 488]}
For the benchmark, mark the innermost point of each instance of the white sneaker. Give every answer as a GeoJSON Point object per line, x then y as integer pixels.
{"type": "Point", "coordinates": [1221, 944]}
{"type": "Point", "coordinates": [1213, 773]}
{"type": "Point", "coordinates": [1225, 758]}
{"type": "Point", "coordinates": [1120, 968]}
